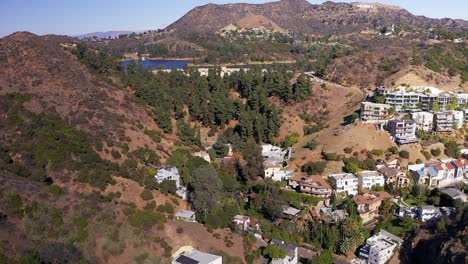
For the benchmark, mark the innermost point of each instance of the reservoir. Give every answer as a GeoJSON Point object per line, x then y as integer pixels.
{"type": "Point", "coordinates": [168, 64]}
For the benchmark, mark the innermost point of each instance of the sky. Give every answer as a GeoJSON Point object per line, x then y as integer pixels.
{"type": "Point", "coordinates": [72, 17]}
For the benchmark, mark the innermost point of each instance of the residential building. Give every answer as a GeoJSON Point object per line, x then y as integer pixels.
{"type": "Point", "coordinates": [368, 179]}
{"type": "Point", "coordinates": [443, 121]}
{"type": "Point", "coordinates": [395, 176]}
{"type": "Point", "coordinates": [168, 173]}
{"type": "Point", "coordinates": [368, 204]}
{"type": "Point", "coordinates": [462, 98]}
{"type": "Point", "coordinates": [314, 185]}
{"type": "Point", "coordinates": [327, 214]}
{"type": "Point", "coordinates": [193, 256]}
{"type": "Point", "coordinates": [271, 168]}
{"type": "Point", "coordinates": [203, 154]}
{"type": "Point", "coordinates": [291, 252]}
{"type": "Point", "coordinates": [441, 174]}
{"type": "Point", "coordinates": [402, 100]}
{"type": "Point", "coordinates": [185, 215]}
{"type": "Point", "coordinates": [345, 182]}
{"type": "Point", "coordinates": [424, 121]}
{"type": "Point", "coordinates": [282, 175]}
{"type": "Point", "coordinates": [443, 99]}
{"type": "Point", "coordinates": [432, 213]}
{"type": "Point", "coordinates": [458, 119]}
{"type": "Point", "coordinates": [456, 194]}
{"type": "Point", "coordinates": [244, 223]}
{"type": "Point", "coordinates": [375, 113]}
{"type": "Point", "coordinates": [380, 248]}
{"type": "Point", "coordinates": [383, 90]}
{"type": "Point", "coordinates": [461, 168]}
{"type": "Point", "coordinates": [291, 212]}
{"type": "Point", "coordinates": [403, 131]}
{"type": "Point", "coordinates": [275, 154]}
{"type": "Point", "coordinates": [407, 212]}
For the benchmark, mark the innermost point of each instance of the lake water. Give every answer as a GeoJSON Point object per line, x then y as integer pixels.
{"type": "Point", "coordinates": [169, 64]}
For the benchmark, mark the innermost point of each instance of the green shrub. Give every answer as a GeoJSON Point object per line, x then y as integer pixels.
{"type": "Point", "coordinates": [314, 167]}
{"type": "Point", "coordinates": [419, 161]}
{"type": "Point", "coordinates": [154, 135]}
{"type": "Point", "coordinates": [116, 154]}
{"type": "Point", "coordinates": [377, 152]}
{"type": "Point", "coordinates": [146, 218]}
{"type": "Point", "coordinates": [55, 190]}
{"type": "Point", "coordinates": [404, 154]}
{"type": "Point", "coordinates": [436, 152]}
{"type": "Point", "coordinates": [13, 203]}
{"type": "Point", "coordinates": [426, 154]}
{"type": "Point", "coordinates": [332, 156]}
{"type": "Point", "coordinates": [393, 150]}
{"type": "Point", "coordinates": [146, 195]}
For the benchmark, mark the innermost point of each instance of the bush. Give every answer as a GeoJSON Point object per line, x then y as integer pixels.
{"type": "Point", "coordinates": [116, 154]}
{"type": "Point", "coordinates": [146, 195]}
{"type": "Point", "coordinates": [166, 208]}
{"type": "Point", "coordinates": [393, 150]}
{"type": "Point", "coordinates": [314, 167]}
{"type": "Point", "coordinates": [377, 152]}
{"type": "Point", "coordinates": [419, 161]}
{"type": "Point", "coordinates": [404, 154]}
{"type": "Point", "coordinates": [348, 150]}
{"type": "Point", "coordinates": [13, 203]}
{"type": "Point", "coordinates": [145, 218]}
{"type": "Point", "coordinates": [426, 154]}
{"type": "Point", "coordinates": [311, 144]}
{"type": "Point", "coordinates": [332, 156]}
{"type": "Point", "coordinates": [289, 141]}
{"type": "Point", "coordinates": [436, 152]}
{"type": "Point", "coordinates": [452, 149]}
{"type": "Point", "coordinates": [55, 190]}
{"type": "Point", "coordinates": [168, 186]}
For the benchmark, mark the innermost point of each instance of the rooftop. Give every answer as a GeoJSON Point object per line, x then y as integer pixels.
{"type": "Point", "coordinates": [185, 214]}
{"type": "Point", "coordinates": [196, 257]}
{"type": "Point", "coordinates": [314, 181]}
{"type": "Point", "coordinates": [368, 173]}
{"type": "Point", "coordinates": [291, 211]}
{"type": "Point", "coordinates": [371, 197]}
{"type": "Point", "coordinates": [343, 176]}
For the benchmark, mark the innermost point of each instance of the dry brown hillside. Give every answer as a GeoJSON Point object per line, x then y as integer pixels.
{"type": "Point", "coordinates": [302, 16]}
{"type": "Point", "coordinates": [61, 85]}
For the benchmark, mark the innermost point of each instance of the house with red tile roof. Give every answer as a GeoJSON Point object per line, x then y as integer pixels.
{"type": "Point", "coordinates": [314, 185]}
{"type": "Point", "coordinates": [442, 174]}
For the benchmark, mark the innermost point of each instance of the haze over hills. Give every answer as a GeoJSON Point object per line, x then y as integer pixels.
{"type": "Point", "coordinates": [301, 16]}
{"type": "Point", "coordinates": [105, 34]}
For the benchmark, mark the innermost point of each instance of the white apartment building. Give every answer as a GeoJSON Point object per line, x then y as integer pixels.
{"type": "Point", "coordinates": [403, 131]}
{"type": "Point", "coordinates": [431, 213]}
{"type": "Point", "coordinates": [345, 182]}
{"type": "Point", "coordinates": [458, 119]}
{"type": "Point", "coordinates": [424, 121]}
{"type": "Point", "coordinates": [379, 248]}
{"type": "Point", "coordinates": [443, 121]}
{"type": "Point", "coordinates": [374, 113]}
{"type": "Point", "coordinates": [402, 100]}
{"type": "Point", "coordinates": [368, 179]}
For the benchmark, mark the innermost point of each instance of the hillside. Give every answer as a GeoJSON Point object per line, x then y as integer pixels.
{"type": "Point", "coordinates": [51, 74]}
{"type": "Point", "coordinates": [301, 16]}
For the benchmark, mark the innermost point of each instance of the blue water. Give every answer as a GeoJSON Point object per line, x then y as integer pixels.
{"type": "Point", "coordinates": [169, 64]}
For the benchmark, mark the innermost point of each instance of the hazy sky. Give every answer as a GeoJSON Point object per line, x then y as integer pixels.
{"type": "Point", "coordinates": [83, 16]}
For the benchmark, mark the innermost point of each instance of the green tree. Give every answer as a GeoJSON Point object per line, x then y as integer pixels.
{"type": "Point", "coordinates": [253, 167]}
{"type": "Point", "coordinates": [302, 88]}
{"type": "Point", "coordinates": [273, 251]}
{"type": "Point", "coordinates": [206, 188]}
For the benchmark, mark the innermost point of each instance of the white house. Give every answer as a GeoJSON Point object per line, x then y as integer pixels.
{"type": "Point", "coordinates": [291, 252]}
{"type": "Point", "coordinates": [168, 173]}
{"type": "Point", "coordinates": [441, 174]}
{"type": "Point", "coordinates": [345, 182]}
{"type": "Point", "coordinates": [424, 120]}
{"type": "Point", "coordinates": [275, 154]}
{"type": "Point", "coordinates": [458, 119]}
{"type": "Point", "coordinates": [203, 154]}
{"type": "Point", "coordinates": [193, 256]}
{"type": "Point", "coordinates": [185, 215]}
{"type": "Point", "coordinates": [432, 213]}
{"type": "Point", "coordinates": [282, 175]}
{"type": "Point", "coordinates": [367, 179]}
{"type": "Point", "coordinates": [379, 248]}
{"type": "Point", "coordinates": [245, 223]}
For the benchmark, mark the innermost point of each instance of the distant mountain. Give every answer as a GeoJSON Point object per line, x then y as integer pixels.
{"type": "Point", "coordinates": [106, 34]}
{"type": "Point", "coordinates": [302, 16]}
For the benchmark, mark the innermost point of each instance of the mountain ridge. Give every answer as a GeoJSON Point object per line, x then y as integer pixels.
{"type": "Point", "coordinates": [300, 16]}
